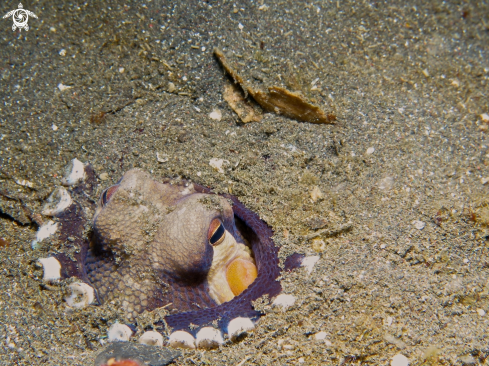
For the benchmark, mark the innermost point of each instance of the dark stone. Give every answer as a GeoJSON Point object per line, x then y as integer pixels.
{"type": "Point", "coordinates": [145, 355]}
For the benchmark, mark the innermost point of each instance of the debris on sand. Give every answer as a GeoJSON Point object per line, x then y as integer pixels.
{"type": "Point", "coordinates": [277, 100]}
{"type": "Point", "coordinates": [245, 110]}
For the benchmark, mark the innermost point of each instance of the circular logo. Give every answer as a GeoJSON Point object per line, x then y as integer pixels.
{"type": "Point", "coordinates": [20, 18]}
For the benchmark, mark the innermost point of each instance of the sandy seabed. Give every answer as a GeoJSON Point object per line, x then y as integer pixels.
{"type": "Point", "coordinates": [132, 84]}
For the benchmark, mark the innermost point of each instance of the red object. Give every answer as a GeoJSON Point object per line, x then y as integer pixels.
{"type": "Point", "coordinates": [112, 362]}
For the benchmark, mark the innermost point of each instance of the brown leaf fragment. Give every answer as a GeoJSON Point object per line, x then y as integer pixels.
{"type": "Point", "coordinates": [243, 108]}
{"type": "Point", "coordinates": [279, 100]}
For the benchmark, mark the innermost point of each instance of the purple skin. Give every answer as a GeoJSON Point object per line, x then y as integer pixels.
{"type": "Point", "coordinates": [73, 222]}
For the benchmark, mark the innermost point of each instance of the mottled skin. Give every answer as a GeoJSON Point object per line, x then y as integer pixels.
{"type": "Point", "coordinates": [149, 248]}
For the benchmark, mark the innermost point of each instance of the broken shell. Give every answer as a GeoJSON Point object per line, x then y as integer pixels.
{"type": "Point", "coordinates": [81, 296]}
{"type": "Point", "coordinates": [181, 339]}
{"type": "Point", "coordinates": [321, 336]}
{"type": "Point", "coordinates": [309, 263]}
{"type": "Point", "coordinates": [239, 327]}
{"type": "Point", "coordinates": [399, 360]}
{"type": "Point", "coordinates": [151, 338]}
{"type": "Point", "coordinates": [209, 338]}
{"type": "Point", "coordinates": [119, 333]}
{"type": "Point", "coordinates": [285, 301]}
{"type": "Point", "coordinates": [217, 164]}
{"type": "Point", "coordinates": [316, 194]}
{"type": "Point", "coordinates": [57, 202]}
{"type": "Point", "coordinates": [75, 173]}
{"type": "Point", "coordinates": [216, 114]}
{"type": "Point", "coordinates": [45, 231]}
{"type": "Point", "coordinates": [51, 268]}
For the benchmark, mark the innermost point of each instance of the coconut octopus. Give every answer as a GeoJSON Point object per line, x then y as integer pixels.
{"type": "Point", "coordinates": [153, 244]}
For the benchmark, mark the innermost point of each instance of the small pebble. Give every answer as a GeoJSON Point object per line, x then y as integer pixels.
{"type": "Point", "coordinates": [217, 164]}
{"type": "Point", "coordinates": [62, 52]}
{"type": "Point", "coordinates": [63, 87]}
{"type": "Point", "coordinates": [171, 87]}
{"type": "Point", "coordinates": [370, 150]}
{"type": "Point", "coordinates": [162, 158]}
{"type": "Point", "coordinates": [484, 180]}
{"type": "Point", "coordinates": [386, 183]}
{"type": "Point", "coordinates": [419, 224]}
{"type": "Point", "coordinates": [485, 117]}
{"type": "Point", "coordinates": [320, 336]}
{"type": "Point", "coordinates": [284, 300]}
{"type": "Point", "coordinates": [54, 127]}
{"type": "Point", "coordinates": [309, 263]}
{"type": "Point", "coordinates": [468, 360]}
{"type": "Point", "coordinates": [316, 194]}
{"type": "Point", "coordinates": [481, 312]}
{"type": "Point", "coordinates": [24, 183]}
{"type": "Point", "coordinates": [216, 114]}
{"type": "Point", "coordinates": [399, 360]}
{"type": "Point", "coordinates": [104, 176]}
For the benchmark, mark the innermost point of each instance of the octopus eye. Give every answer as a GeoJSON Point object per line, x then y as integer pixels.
{"type": "Point", "coordinates": [108, 193]}
{"type": "Point", "coordinates": [216, 232]}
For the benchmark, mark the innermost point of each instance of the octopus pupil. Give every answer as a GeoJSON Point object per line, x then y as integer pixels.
{"type": "Point", "coordinates": [218, 235]}
{"type": "Point", "coordinates": [108, 193]}
{"type": "Point", "coordinates": [104, 197]}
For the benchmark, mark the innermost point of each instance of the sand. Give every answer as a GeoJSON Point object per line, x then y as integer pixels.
{"type": "Point", "coordinates": [124, 85]}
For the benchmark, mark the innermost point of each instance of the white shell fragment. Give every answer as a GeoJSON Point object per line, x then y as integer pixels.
{"type": "Point", "coordinates": [386, 183]}
{"type": "Point", "coordinates": [63, 87]}
{"type": "Point", "coordinates": [419, 224]}
{"type": "Point", "coordinates": [239, 326]}
{"type": "Point", "coordinates": [216, 114]}
{"type": "Point", "coordinates": [151, 338]}
{"type": "Point", "coordinates": [57, 202]}
{"type": "Point", "coordinates": [45, 231]}
{"type": "Point", "coordinates": [81, 296]}
{"type": "Point", "coordinates": [209, 338]}
{"type": "Point", "coordinates": [285, 301]}
{"type": "Point", "coordinates": [119, 333]}
{"type": "Point", "coordinates": [399, 360]}
{"type": "Point", "coordinates": [181, 339]}
{"type": "Point", "coordinates": [24, 183]}
{"type": "Point", "coordinates": [51, 268]}
{"type": "Point", "coordinates": [162, 158]}
{"type": "Point", "coordinates": [75, 173]}
{"type": "Point", "coordinates": [319, 336]}
{"type": "Point", "coordinates": [217, 164]}
{"type": "Point", "coordinates": [316, 194]}
{"type": "Point", "coordinates": [485, 117]}
{"type": "Point", "coordinates": [309, 263]}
